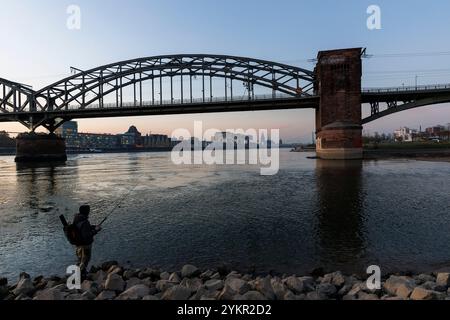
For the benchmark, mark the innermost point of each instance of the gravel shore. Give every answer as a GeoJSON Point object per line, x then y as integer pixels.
{"type": "Point", "coordinates": [110, 281]}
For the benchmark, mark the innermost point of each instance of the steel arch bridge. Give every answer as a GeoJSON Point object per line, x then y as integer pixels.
{"type": "Point", "coordinates": [82, 94]}
{"type": "Point", "coordinates": [151, 79]}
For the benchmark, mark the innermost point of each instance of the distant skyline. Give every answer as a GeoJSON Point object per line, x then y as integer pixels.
{"type": "Point", "coordinates": [411, 47]}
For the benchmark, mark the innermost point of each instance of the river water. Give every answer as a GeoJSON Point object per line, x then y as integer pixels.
{"type": "Point", "coordinates": [313, 213]}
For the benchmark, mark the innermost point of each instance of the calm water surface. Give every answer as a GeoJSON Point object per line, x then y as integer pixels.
{"type": "Point", "coordinates": [346, 216]}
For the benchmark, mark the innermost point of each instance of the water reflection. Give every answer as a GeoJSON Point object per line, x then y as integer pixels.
{"type": "Point", "coordinates": [39, 186]}
{"type": "Point", "coordinates": [341, 212]}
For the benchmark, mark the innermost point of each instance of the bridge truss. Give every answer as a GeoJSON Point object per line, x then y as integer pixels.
{"type": "Point", "coordinates": [189, 83]}
{"type": "Point", "coordinates": [83, 94]}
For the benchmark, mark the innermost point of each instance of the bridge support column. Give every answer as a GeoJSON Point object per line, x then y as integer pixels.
{"type": "Point", "coordinates": [33, 147]}
{"type": "Point", "coordinates": [338, 118]}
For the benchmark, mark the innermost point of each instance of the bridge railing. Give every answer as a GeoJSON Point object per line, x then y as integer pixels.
{"type": "Point", "coordinates": [407, 88]}
{"type": "Point", "coordinates": [179, 102]}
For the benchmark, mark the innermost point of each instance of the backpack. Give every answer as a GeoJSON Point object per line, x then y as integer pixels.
{"type": "Point", "coordinates": [72, 232]}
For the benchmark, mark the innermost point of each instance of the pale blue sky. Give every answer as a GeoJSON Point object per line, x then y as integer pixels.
{"type": "Point", "coordinates": [38, 49]}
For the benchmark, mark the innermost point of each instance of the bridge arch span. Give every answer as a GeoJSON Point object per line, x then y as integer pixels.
{"type": "Point", "coordinates": [407, 106]}
{"type": "Point", "coordinates": [104, 80]}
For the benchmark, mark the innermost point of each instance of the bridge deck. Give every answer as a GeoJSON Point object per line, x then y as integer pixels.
{"type": "Point", "coordinates": [197, 106]}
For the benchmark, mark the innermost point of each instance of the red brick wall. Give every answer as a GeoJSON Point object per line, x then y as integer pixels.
{"type": "Point", "coordinates": [339, 86]}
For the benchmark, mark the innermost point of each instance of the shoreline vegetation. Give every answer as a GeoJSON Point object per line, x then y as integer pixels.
{"type": "Point", "coordinates": [110, 281]}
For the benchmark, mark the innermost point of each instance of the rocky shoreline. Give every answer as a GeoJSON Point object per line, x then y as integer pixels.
{"type": "Point", "coordinates": [110, 281]}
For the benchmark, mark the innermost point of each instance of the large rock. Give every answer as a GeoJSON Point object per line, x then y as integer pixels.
{"type": "Point", "coordinates": [76, 296]}
{"type": "Point", "coordinates": [290, 296]}
{"type": "Point", "coordinates": [227, 293]}
{"type": "Point", "coordinates": [150, 273]}
{"type": "Point", "coordinates": [253, 295]}
{"type": "Point", "coordinates": [345, 289]}
{"type": "Point", "coordinates": [326, 289]}
{"type": "Point", "coordinates": [433, 286]}
{"type": "Point", "coordinates": [136, 292]}
{"type": "Point", "coordinates": [190, 271]}
{"type": "Point", "coordinates": [423, 277]}
{"type": "Point", "coordinates": [213, 285]}
{"type": "Point", "coordinates": [128, 274]}
{"type": "Point", "coordinates": [163, 285]}
{"type": "Point", "coordinates": [114, 282]}
{"type": "Point", "coordinates": [336, 278]}
{"type": "Point", "coordinates": [108, 264]}
{"type": "Point", "coordinates": [50, 294]}
{"type": "Point", "coordinates": [206, 275]}
{"type": "Point", "coordinates": [177, 292]}
{"type": "Point", "coordinates": [22, 297]}
{"type": "Point", "coordinates": [164, 275]}
{"type": "Point", "coordinates": [420, 293]}
{"type": "Point", "coordinates": [233, 274]}
{"type": "Point", "coordinates": [132, 282]}
{"type": "Point", "coordinates": [356, 288]}
{"type": "Point", "coordinates": [216, 276]}
{"type": "Point", "coordinates": [309, 284]}
{"type": "Point", "coordinates": [204, 293]}
{"type": "Point", "coordinates": [443, 279]}
{"type": "Point", "coordinates": [399, 286]}
{"type": "Point", "coordinates": [174, 278]}
{"type": "Point", "coordinates": [24, 286]}
{"type": "Point", "coordinates": [150, 297]}
{"type": "Point", "coordinates": [88, 295]}
{"type": "Point", "coordinates": [91, 286]}
{"type": "Point", "coordinates": [99, 276]}
{"type": "Point", "coordinates": [238, 285]}
{"type": "Point", "coordinates": [192, 284]}
{"type": "Point", "coordinates": [367, 296]}
{"type": "Point", "coordinates": [279, 288]}
{"type": "Point", "coordinates": [315, 295]}
{"type": "Point", "coordinates": [295, 284]}
{"type": "Point", "coordinates": [264, 286]}
{"type": "Point", "coordinates": [106, 295]}
{"type": "Point", "coordinates": [115, 270]}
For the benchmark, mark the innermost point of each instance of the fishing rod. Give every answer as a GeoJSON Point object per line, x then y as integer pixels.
{"type": "Point", "coordinates": [118, 205]}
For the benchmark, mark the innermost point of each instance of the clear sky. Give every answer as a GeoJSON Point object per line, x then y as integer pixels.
{"type": "Point", "coordinates": [38, 49]}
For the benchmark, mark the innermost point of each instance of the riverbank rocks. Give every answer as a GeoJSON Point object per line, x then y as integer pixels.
{"type": "Point", "coordinates": [110, 281]}
{"type": "Point", "coordinates": [190, 271]}
{"type": "Point", "coordinates": [238, 285]}
{"type": "Point", "coordinates": [213, 285]}
{"type": "Point", "coordinates": [25, 286]}
{"type": "Point", "coordinates": [264, 286]}
{"type": "Point", "coordinates": [400, 286]}
{"type": "Point", "coordinates": [136, 292]}
{"type": "Point", "coordinates": [420, 293]}
{"type": "Point", "coordinates": [114, 282]}
{"type": "Point", "coordinates": [177, 292]}
{"type": "Point", "coordinates": [443, 279]}
{"type": "Point", "coordinates": [295, 284]}
{"type": "Point", "coordinates": [55, 293]}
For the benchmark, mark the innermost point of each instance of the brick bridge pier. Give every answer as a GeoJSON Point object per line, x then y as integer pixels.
{"type": "Point", "coordinates": [338, 118]}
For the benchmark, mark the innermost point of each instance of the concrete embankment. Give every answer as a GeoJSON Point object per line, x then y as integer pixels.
{"type": "Point", "coordinates": [113, 282]}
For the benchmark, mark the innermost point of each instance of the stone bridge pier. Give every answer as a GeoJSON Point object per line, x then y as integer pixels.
{"type": "Point", "coordinates": [338, 118]}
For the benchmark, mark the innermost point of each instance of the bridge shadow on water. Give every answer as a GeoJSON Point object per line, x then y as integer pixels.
{"type": "Point", "coordinates": [341, 214]}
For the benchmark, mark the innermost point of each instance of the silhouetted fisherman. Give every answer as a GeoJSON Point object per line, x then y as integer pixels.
{"type": "Point", "coordinates": [86, 237]}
